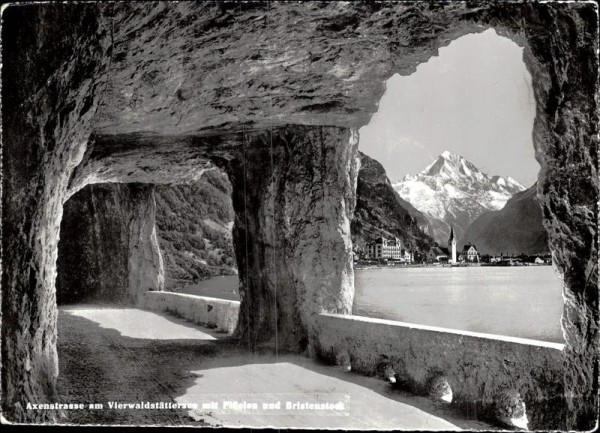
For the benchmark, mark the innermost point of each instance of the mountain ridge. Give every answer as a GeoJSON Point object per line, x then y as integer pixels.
{"type": "Point", "coordinates": [453, 191]}
{"type": "Point", "coordinates": [193, 225]}
{"type": "Point", "coordinates": [380, 210]}
{"type": "Point", "coordinates": [495, 232]}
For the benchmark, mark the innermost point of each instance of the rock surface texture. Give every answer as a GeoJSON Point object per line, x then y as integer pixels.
{"type": "Point", "coordinates": [51, 84]}
{"type": "Point", "coordinates": [125, 92]}
{"type": "Point", "coordinates": [293, 195]}
{"type": "Point", "coordinates": [101, 215]}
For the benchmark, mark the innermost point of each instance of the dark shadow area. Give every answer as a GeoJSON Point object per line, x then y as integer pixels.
{"type": "Point", "coordinates": [93, 250]}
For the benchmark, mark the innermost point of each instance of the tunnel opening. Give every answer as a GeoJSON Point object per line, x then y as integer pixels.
{"type": "Point", "coordinates": [430, 150]}
{"type": "Point", "coordinates": [136, 226]}
{"type": "Point", "coordinates": [448, 202]}
{"type": "Point", "coordinates": [194, 227]}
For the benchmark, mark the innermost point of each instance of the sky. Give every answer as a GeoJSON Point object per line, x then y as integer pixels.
{"type": "Point", "coordinates": [474, 99]}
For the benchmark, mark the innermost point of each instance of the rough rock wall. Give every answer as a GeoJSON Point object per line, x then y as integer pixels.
{"type": "Point", "coordinates": [96, 220]}
{"type": "Point", "coordinates": [139, 159]}
{"type": "Point", "coordinates": [86, 269]}
{"type": "Point", "coordinates": [293, 195]}
{"type": "Point", "coordinates": [51, 83]}
{"type": "Point", "coordinates": [199, 67]}
{"type": "Point", "coordinates": [561, 55]}
{"type": "Point", "coordinates": [145, 264]}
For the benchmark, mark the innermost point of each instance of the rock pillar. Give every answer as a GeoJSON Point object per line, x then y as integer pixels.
{"type": "Point", "coordinates": [145, 264]}
{"type": "Point", "coordinates": [294, 195]}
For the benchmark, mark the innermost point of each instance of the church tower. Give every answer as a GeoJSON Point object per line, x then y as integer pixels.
{"type": "Point", "coordinates": [452, 245]}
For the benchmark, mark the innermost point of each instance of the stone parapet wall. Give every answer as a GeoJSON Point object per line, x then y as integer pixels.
{"type": "Point", "coordinates": [211, 312]}
{"type": "Point", "coordinates": [478, 367]}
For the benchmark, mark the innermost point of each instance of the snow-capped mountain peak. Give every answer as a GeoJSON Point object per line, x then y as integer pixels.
{"type": "Point", "coordinates": [455, 191]}
{"type": "Point", "coordinates": [450, 164]}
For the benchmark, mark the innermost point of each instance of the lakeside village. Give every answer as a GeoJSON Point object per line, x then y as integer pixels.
{"type": "Point", "coordinates": [390, 252]}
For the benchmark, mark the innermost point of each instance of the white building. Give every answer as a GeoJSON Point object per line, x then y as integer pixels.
{"type": "Point", "coordinates": [469, 253]}
{"type": "Point", "coordinates": [384, 248]}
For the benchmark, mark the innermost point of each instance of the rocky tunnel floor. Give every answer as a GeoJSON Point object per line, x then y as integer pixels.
{"type": "Point", "coordinates": [125, 355]}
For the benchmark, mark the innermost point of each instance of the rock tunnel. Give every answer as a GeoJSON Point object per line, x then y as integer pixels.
{"type": "Point", "coordinates": [114, 98]}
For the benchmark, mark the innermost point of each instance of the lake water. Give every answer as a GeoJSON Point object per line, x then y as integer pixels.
{"type": "Point", "coordinates": [523, 301]}
{"type": "Point", "coordinates": [516, 301]}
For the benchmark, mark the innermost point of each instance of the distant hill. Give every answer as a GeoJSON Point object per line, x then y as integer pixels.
{"type": "Point", "coordinates": [453, 191]}
{"type": "Point", "coordinates": [194, 229]}
{"type": "Point", "coordinates": [380, 210]}
{"type": "Point", "coordinates": [516, 228]}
